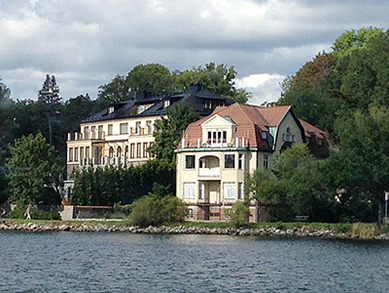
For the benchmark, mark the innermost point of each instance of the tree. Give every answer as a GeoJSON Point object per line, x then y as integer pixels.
{"type": "Point", "coordinates": [364, 140]}
{"type": "Point", "coordinates": [114, 92]}
{"type": "Point", "coordinates": [168, 131]}
{"type": "Point", "coordinates": [49, 93]}
{"type": "Point", "coordinates": [34, 171]}
{"type": "Point", "coordinates": [295, 186]}
{"type": "Point", "coordinates": [218, 79]}
{"type": "Point", "coordinates": [153, 77]}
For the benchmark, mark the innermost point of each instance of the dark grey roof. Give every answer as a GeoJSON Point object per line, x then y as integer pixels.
{"type": "Point", "coordinates": [195, 96]}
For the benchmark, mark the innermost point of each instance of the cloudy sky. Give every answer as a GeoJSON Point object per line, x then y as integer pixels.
{"type": "Point", "coordinates": [85, 43]}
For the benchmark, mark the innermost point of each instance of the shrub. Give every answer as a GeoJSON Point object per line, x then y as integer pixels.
{"type": "Point", "coordinates": [36, 214]}
{"type": "Point", "coordinates": [154, 211]}
{"type": "Point", "coordinates": [364, 231]}
{"type": "Point", "coordinates": [239, 214]}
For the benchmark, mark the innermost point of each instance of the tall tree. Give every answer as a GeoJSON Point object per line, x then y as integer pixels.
{"type": "Point", "coordinates": [49, 97]}
{"type": "Point", "coordinates": [34, 170]}
{"type": "Point", "coordinates": [49, 93]}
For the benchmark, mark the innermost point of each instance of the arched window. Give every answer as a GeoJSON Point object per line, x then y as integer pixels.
{"type": "Point", "coordinates": [111, 152]}
{"type": "Point", "coordinates": [119, 152]}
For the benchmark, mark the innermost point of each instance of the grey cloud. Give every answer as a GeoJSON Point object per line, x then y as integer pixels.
{"type": "Point", "coordinates": [86, 43]}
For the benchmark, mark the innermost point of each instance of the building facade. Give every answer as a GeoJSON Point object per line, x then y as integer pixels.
{"type": "Point", "coordinates": [123, 133]}
{"type": "Point", "coordinates": [217, 150]}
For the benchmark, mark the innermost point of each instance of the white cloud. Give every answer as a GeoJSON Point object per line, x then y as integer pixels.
{"type": "Point", "coordinates": [265, 87]}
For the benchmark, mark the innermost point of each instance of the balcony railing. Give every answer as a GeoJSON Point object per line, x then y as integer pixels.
{"type": "Point", "coordinates": [99, 135]}
{"type": "Point", "coordinates": [240, 142]}
{"type": "Point", "coordinates": [209, 172]}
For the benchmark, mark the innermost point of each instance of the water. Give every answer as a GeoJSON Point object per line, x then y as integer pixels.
{"type": "Point", "coordinates": [114, 262]}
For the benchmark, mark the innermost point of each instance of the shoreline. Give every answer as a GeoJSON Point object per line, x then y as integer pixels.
{"type": "Point", "coordinates": [304, 231]}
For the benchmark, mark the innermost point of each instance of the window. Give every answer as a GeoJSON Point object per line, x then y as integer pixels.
{"type": "Point", "coordinates": [111, 110]}
{"type": "Point", "coordinates": [240, 161]}
{"type": "Point", "coordinates": [217, 136]}
{"type": "Point", "coordinates": [93, 130]}
{"type": "Point", "coordinates": [126, 153]}
{"type": "Point", "coordinates": [266, 161]}
{"type": "Point", "coordinates": [132, 150]}
{"type": "Point", "coordinates": [87, 152]}
{"type": "Point", "coordinates": [110, 152]}
{"type": "Point", "coordinates": [110, 129]}
{"type": "Point", "coordinates": [189, 190]}
{"type": "Point", "coordinates": [86, 132]}
{"type": "Point", "coordinates": [138, 150]}
{"type": "Point", "coordinates": [190, 213]}
{"type": "Point", "coordinates": [264, 134]}
{"type": "Point", "coordinates": [119, 152]}
{"type": "Point", "coordinates": [320, 142]}
{"type": "Point", "coordinates": [145, 150]}
{"type": "Point", "coordinates": [229, 190]}
{"type": "Point", "coordinates": [229, 161]}
{"type": "Point", "coordinates": [166, 103]}
{"type": "Point", "coordinates": [70, 154]}
{"type": "Point", "coordinates": [149, 127]}
{"type": "Point", "coordinates": [100, 131]}
{"type": "Point", "coordinates": [76, 154]}
{"type": "Point", "coordinates": [201, 190]}
{"type": "Point", "coordinates": [207, 104]}
{"type": "Point", "coordinates": [123, 128]}
{"type": "Point", "coordinates": [240, 190]}
{"type": "Point", "coordinates": [190, 162]}
{"type": "Point", "coordinates": [137, 127]}
{"type": "Point", "coordinates": [81, 153]}
{"type": "Point", "coordinates": [288, 136]}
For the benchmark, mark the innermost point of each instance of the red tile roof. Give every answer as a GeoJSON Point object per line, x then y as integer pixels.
{"type": "Point", "coordinates": [311, 130]}
{"type": "Point", "coordinates": [249, 119]}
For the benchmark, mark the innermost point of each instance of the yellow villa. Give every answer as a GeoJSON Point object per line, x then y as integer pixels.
{"type": "Point", "coordinates": [217, 150]}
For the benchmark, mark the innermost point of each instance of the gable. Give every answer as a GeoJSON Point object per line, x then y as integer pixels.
{"type": "Point", "coordinates": [217, 121]}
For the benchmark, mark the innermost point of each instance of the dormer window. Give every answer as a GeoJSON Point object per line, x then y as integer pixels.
{"type": "Point", "coordinates": [320, 142]}
{"type": "Point", "coordinates": [111, 110]}
{"type": "Point", "coordinates": [207, 104]}
{"type": "Point", "coordinates": [166, 103]}
{"type": "Point", "coordinates": [264, 135]}
{"type": "Point", "coordinates": [217, 137]}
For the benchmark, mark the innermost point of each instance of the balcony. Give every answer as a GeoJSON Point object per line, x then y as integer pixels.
{"type": "Point", "coordinates": [209, 172]}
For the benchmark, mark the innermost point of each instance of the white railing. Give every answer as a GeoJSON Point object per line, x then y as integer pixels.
{"type": "Point", "coordinates": [209, 172]}
{"type": "Point", "coordinates": [236, 142]}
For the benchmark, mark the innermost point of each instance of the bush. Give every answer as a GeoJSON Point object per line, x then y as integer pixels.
{"type": "Point", "coordinates": [153, 211]}
{"type": "Point", "coordinates": [239, 214]}
{"type": "Point", "coordinates": [364, 231]}
{"type": "Point", "coordinates": [36, 214]}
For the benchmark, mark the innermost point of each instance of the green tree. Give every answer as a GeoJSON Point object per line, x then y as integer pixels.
{"type": "Point", "coordinates": [153, 77]}
{"type": "Point", "coordinates": [168, 131]}
{"type": "Point", "coordinates": [295, 186]}
{"type": "Point", "coordinates": [218, 79]}
{"type": "Point", "coordinates": [34, 171]}
{"type": "Point", "coordinates": [49, 94]}
{"type": "Point", "coordinates": [365, 149]}
{"type": "Point", "coordinates": [113, 92]}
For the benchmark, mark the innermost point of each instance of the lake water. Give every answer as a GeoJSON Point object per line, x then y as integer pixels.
{"type": "Point", "coordinates": [115, 262]}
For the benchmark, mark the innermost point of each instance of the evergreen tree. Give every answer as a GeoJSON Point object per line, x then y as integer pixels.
{"type": "Point", "coordinates": [49, 93]}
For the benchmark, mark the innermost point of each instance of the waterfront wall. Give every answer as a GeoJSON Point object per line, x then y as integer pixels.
{"type": "Point", "coordinates": [304, 231]}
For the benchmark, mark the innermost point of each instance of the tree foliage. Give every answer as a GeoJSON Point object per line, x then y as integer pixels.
{"type": "Point", "coordinates": [34, 170]}
{"type": "Point", "coordinates": [124, 184]}
{"type": "Point", "coordinates": [294, 187]}
{"type": "Point", "coordinates": [168, 131]}
{"type": "Point", "coordinates": [49, 93]}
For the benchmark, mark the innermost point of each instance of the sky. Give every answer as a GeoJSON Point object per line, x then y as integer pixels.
{"type": "Point", "coordinates": [86, 43]}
